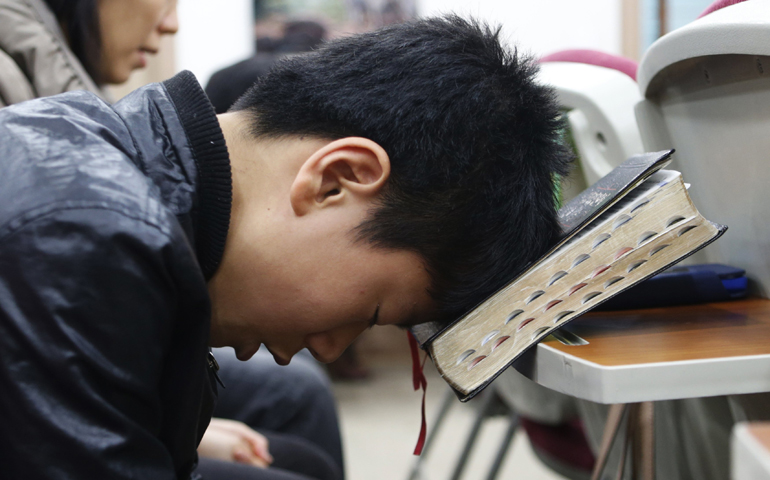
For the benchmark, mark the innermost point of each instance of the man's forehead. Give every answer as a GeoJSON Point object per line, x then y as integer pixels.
{"type": "Point", "coordinates": [416, 308]}
{"type": "Point", "coordinates": [407, 300]}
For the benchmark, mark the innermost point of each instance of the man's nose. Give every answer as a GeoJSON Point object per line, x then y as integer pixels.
{"type": "Point", "coordinates": [170, 23]}
{"type": "Point", "coordinates": [327, 346]}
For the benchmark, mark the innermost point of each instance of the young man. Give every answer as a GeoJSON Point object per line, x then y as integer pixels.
{"type": "Point", "coordinates": [394, 177]}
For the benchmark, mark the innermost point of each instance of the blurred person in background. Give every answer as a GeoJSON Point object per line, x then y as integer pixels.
{"type": "Point", "coordinates": [228, 84]}
{"type": "Point", "coordinates": [54, 46]}
{"type": "Point", "coordinates": [49, 47]}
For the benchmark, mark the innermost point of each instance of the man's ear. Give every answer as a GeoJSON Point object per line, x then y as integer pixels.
{"type": "Point", "coordinates": [345, 169]}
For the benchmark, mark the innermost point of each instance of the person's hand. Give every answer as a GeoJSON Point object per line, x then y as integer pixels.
{"type": "Point", "coordinates": [234, 441]}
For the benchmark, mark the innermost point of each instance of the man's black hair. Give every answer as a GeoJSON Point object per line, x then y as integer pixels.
{"type": "Point", "coordinates": [474, 144]}
{"type": "Point", "coordinates": [80, 21]}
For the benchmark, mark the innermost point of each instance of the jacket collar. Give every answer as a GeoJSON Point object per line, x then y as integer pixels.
{"type": "Point", "coordinates": [209, 151]}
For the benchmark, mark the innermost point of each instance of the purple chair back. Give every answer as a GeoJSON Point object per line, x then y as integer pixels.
{"type": "Point", "coordinates": [593, 57]}
{"type": "Point", "coordinates": [718, 5]}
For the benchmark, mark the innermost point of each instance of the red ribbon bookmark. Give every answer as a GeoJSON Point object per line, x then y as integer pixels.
{"type": "Point", "coordinates": [419, 381]}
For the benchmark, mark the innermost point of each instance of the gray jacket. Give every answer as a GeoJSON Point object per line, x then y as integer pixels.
{"type": "Point", "coordinates": [35, 60]}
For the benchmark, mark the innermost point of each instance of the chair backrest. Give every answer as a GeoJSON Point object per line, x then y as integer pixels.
{"type": "Point", "coordinates": [706, 89]}
{"type": "Point", "coordinates": [718, 5]}
{"type": "Point", "coordinates": [596, 58]}
{"type": "Point", "coordinates": [600, 100]}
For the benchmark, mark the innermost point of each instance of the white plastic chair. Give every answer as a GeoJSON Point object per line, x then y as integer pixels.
{"type": "Point", "coordinates": [601, 104]}
{"type": "Point", "coordinates": [706, 89]}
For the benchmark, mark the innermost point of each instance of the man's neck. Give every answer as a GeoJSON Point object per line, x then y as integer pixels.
{"type": "Point", "coordinates": [263, 169]}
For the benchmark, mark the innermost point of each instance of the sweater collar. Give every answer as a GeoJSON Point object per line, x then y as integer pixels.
{"type": "Point", "coordinates": [215, 190]}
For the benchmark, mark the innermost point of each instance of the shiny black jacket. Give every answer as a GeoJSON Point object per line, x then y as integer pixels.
{"type": "Point", "coordinates": [112, 218]}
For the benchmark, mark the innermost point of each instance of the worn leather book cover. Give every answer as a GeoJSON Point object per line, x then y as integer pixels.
{"type": "Point", "coordinates": [620, 232]}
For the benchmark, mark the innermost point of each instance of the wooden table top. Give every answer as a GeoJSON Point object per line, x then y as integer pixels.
{"type": "Point", "coordinates": [714, 330]}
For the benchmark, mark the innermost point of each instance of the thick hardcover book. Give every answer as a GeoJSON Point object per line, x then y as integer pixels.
{"type": "Point", "coordinates": [635, 222]}
{"type": "Point", "coordinates": [580, 210]}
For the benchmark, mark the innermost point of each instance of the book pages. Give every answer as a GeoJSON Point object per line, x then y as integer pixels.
{"type": "Point", "coordinates": [649, 229]}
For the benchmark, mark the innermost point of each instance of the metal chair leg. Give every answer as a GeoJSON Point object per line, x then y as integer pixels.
{"type": "Point", "coordinates": [446, 404]}
{"type": "Point", "coordinates": [513, 424]}
{"type": "Point", "coordinates": [644, 442]}
{"type": "Point", "coordinates": [611, 429]}
{"type": "Point", "coordinates": [486, 399]}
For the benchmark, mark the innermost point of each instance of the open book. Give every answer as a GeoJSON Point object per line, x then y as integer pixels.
{"type": "Point", "coordinates": [630, 225]}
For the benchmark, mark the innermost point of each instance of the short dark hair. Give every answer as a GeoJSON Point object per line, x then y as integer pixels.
{"type": "Point", "coordinates": [80, 21]}
{"type": "Point", "coordinates": [474, 143]}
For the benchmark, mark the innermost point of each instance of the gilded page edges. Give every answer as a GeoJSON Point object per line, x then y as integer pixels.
{"type": "Point", "coordinates": [610, 259]}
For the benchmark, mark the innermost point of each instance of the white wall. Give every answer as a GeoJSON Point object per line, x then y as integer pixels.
{"type": "Point", "coordinates": [213, 34]}
{"type": "Point", "coordinates": [543, 26]}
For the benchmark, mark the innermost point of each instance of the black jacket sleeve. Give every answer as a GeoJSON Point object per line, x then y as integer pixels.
{"type": "Point", "coordinates": [86, 306]}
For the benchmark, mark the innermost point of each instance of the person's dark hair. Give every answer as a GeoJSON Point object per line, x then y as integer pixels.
{"type": "Point", "coordinates": [79, 19]}
{"type": "Point", "coordinates": [474, 144]}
